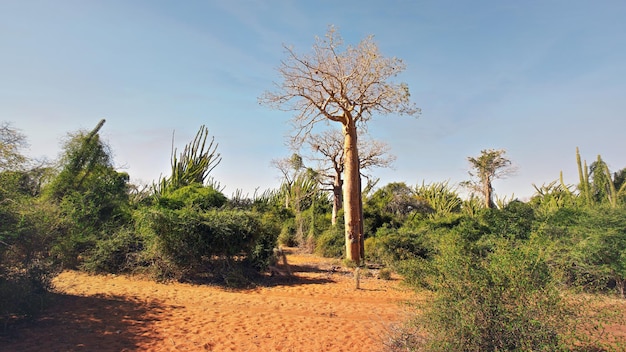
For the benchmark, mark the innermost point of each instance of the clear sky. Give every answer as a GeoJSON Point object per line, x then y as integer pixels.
{"type": "Point", "coordinates": [537, 78]}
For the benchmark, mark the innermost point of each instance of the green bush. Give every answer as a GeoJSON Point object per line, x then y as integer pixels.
{"type": "Point", "coordinates": [384, 274]}
{"type": "Point", "coordinates": [26, 268]}
{"type": "Point", "coordinates": [515, 220]}
{"type": "Point", "coordinates": [115, 254]}
{"type": "Point", "coordinates": [183, 243]}
{"type": "Point", "coordinates": [194, 195]}
{"type": "Point", "coordinates": [331, 242]}
{"type": "Point", "coordinates": [22, 293]}
{"type": "Point", "coordinates": [287, 235]}
{"type": "Point", "coordinates": [504, 301]}
{"type": "Point", "coordinates": [595, 255]}
{"type": "Point", "coordinates": [375, 251]}
{"type": "Point", "coordinates": [262, 254]}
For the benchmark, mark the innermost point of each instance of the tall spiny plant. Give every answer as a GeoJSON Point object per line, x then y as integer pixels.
{"type": "Point", "coordinates": [603, 186]}
{"type": "Point", "coordinates": [613, 194]}
{"type": "Point", "coordinates": [583, 176]}
{"type": "Point", "coordinates": [441, 197]}
{"type": "Point", "coordinates": [193, 165]}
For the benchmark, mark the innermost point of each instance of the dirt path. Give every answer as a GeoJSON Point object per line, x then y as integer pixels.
{"type": "Point", "coordinates": [318, 310]}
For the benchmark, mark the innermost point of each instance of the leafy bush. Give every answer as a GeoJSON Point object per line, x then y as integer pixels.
{"type": "Point", "coordinates": [595, 257]}
{"type": "Point", "coordinates": [287, 235]}
{"type": "Point", "coordinates": [22, 293]}
{"type": "Point", "coordinates": [194, 195]}
{"type": "Point", "coordinates": [375, 251]}
{"type": "Point", "coordinates": [515, 220]}
{"type": "Point", "coordinates": [27, 231]}
{"type": "Point", "coordinates": [384, 274]}
{"type": "Point", "coordinates": [183, 243]}
{"type": "Point", "coordinates": [504, 301]}
{"type": "Point", "coordinates": [114, 254]}
{"type": "Point", "coordinates": [331, 242]}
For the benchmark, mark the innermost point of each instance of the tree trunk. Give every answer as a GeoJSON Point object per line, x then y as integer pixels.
{"type": "Point", "coordinates": [621, 286]}
{"type": "Point", "coordinates": [337, 198]}
{"type": "Point", "coordinates": [488, 193]}
{"type": "Point", "coordinates": [361, 221]}
{"type": "Point", "coordinates": [352, 194]}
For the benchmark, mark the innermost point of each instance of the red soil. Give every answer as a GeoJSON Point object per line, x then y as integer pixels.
{"type": "Point", "coordinates": [318, 309]}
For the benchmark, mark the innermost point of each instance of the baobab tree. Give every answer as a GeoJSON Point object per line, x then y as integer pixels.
{"type": "Point", "coordinates": [346, 85]}
{"type": "Point", "coordinates": [490, 165]}
{"type": "Point", "coordinates": [328, 153]}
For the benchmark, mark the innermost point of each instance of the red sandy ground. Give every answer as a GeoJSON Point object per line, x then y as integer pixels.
{"type": "Point", "coordinates": [318, 309]}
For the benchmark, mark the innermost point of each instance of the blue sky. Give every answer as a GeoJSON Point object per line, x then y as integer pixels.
{"type": "Point", "coordinates": [537, 78]}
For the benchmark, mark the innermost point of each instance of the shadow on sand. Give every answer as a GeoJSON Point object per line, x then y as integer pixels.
{"type": "Point", "coordinates": [77, 323]}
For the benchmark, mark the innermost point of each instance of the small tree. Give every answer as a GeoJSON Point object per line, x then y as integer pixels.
{"type": "Point", "coordinates": [344, 85]}
{"type": "Point", "coordinates": [329, 144]}
{"type": "Point", "coordinates": [490, 165]}
{"type": "Point", "coordinates": [11, 142]}
{"type": "Point", "coordinates": [92, 196]}
{"type": "Point", "coordinates": [298, 191]}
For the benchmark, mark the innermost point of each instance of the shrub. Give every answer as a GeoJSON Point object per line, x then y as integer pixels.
{"type": "Point", "coordinates": [375, 251]}
{"type": "Point", "coordinates": [384, 274]}
{"type": "Point", "coordinates": [331, 242]}
{"type": "Point", "coordinates": [393, 246]}
{"type": "Point", "coordinates": [182, 243]}
{"type": "Point", "coordinates": [595, 259]}
{"type": "Point", "coordinates": [26, 268]}
{"type": "Point", "coordinates": [22, 293]}
{"type": "Point", "coordinates": [194, 195]}
{"type": "Point", "coordinates": [504, 301]}
{"type": "Point", "coordinates": [287, 235]}
{"type": "Point", "coordinates": [115, 254]}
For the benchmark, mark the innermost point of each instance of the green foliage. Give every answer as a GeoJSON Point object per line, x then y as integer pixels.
{"type": "Point", "coordinates": [596, 186]}
{"type": "Point", "coordinates": [91, 213]}
{"type": "Point", "coordinates": [391, 205]}
{"type": "Point", "coordinates": [403, 244]}
{"type": "Point", "coordinates": [27, 231]}
{"type": "Point", "coordinates": [515, 220]}
{"type": "Point", "coordinates": [583, 176]}
{"type": "Point", "coordinates": [287, 236]}
{"type": "Point", "coordinates": [384, 274]}
{"type": "Point", "coordinates": [193, 165]}
{"type": "Point", "coordinates": [553, 196]}
{"type": "Point", "coordinates": [193, 195]}
{"type": "Point", "coordinates": [603, 188]}
{"type": "Point", "coordinates": [596, 259]}
{"type": "Point", "coordinates": [441, 198]}
{"type": "Point", "coordinates": [92, 197]}
{"type": "Point", "coordinates": [17, 184]}
{"type": "Point", "coordinates": [472, 205]}
{"type": "Point", "coordinates": [504, 301]}
{"type": "Point", "coordinates": [11, 143]}
{"type": "Point", "coordinates": [85, 156]}
{"type": "Point", "coordinates": [22, 294]}
{"type": "Point", "coordinates": [331, 243]}
{"type": "Point", "coordinates": [115, 254]}
{"type": "Point", "coordinates": [183, 243]}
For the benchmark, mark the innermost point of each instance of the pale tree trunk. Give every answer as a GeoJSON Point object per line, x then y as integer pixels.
{"type": "Point", "coordinates": [361, 222]}
{"type": "Point", "coordinates": [488, 193]}
{"type": "Point", "coordinates": [352, 194]}
{"type": "Point", "coordinates": [337, 200]}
